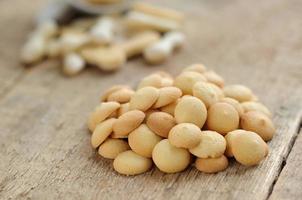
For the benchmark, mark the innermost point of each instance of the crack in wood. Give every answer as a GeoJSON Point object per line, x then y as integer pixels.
{"type": "Point", "coordinates": [283, 163]}
{"type": "Point", "coordinates": [13, 84]}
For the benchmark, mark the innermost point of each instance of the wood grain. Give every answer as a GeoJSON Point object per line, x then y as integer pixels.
{"type": "Point", "coordinates": [17, 14]}
{"type": "Point", "coordinates": [288, 185]}
{"type": "Point", "coordinates": [44, 143]}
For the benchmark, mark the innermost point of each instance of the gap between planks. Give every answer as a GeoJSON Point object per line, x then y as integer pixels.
{"type": "Point", "coordinates": [283, 164]}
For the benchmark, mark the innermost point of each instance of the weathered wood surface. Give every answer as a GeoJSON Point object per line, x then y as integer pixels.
{"type": "Point", "coordinates": [288, 185]}
{"type": "Point", "coordinates": [15, 21]}
{"type": "Point", "coordinates": [44, 144]}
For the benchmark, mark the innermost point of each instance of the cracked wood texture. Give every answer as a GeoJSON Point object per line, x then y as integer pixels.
{"type": "Point", "coordinates": [288, 185]}
{"type": "Point", "coordinates": [45, 148]}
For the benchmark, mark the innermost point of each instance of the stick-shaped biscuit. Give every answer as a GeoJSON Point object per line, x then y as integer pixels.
{"type": "Point", "coordinates": [106, 58]}
{"type": "Point", "coordinates": [36, 46]}
{"type": "Point", "coordinates": [141, 21]}
{"type": "Point", "coordinates": [158, 11]}
{"type": "Point", "coordinates": [72, 40]}
{"type": "Point", "coordinates": [136, 45]}
{"type": "Point", "coordinates": [103, 1]}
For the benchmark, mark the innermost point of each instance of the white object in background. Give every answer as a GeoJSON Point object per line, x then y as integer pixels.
{"type": "Point", "coordinates": [163, 49]}
{"type": "Point", "coordinates": [97, 9]}
{"type": "Point", "coordinates": [35, 47]}
{"type": "Point", "coordinates": [54, 10]}
{"type": "Point", "coordinates": [73, 64]}
{"type": "Point", "coordinates": [103, 31]}
{"type": "Point", "coordinates": [71, 41]}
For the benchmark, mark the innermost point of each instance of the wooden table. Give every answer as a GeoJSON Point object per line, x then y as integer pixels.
{"type": "Point", "coordinates": [45, 148]}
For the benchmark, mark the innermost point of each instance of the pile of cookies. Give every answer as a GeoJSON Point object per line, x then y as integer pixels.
{"type": "Point", "coordinates": [107, 42]}
{"type": "Point", "coordinates": [172, 122]}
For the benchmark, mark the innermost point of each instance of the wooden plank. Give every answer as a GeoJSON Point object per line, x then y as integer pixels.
{"type": "Point", "coordinates": [44, 144]}
{"type": "Point", "coordinates": [288, 185]}
{"type": "Point", "coordinates": [17, 14]}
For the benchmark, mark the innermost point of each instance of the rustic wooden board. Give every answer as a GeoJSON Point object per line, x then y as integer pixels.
{"type": "Point", "coordinates": [18, 17]}
{"type": "Point", "coordinates": [288, 185]}
{"type": "Point", "coordinates": [44, 144]}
